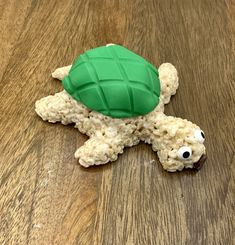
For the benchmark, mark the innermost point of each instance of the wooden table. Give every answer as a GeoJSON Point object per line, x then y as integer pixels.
{"type": "Point", "coordinates": [46, 197]}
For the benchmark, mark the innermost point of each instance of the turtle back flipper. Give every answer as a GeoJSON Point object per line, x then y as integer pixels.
{"type": "Point", "coordinates": [61, 73]}
{"type": "Point", "coordinates": [60, 108]}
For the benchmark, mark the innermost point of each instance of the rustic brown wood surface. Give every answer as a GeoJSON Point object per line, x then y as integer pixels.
{"type": "Point", "coordinates": [46, 198]}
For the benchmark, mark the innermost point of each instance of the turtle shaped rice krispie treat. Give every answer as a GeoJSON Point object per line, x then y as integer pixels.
{"type": "Point", "coordinates": [117, 98]}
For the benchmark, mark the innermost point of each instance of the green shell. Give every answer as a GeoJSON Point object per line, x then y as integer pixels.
{"type": "Point", "coordinates": [114, 81]}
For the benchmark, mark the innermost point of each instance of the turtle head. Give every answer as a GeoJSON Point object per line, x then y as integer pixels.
{"type": "Point", "coordinates": [180, 144]}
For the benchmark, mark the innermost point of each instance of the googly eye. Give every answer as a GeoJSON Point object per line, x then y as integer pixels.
{"type": "Point", "coordinates": [199, 135]}
{"type": "Point", "coordinates": [184, 153]}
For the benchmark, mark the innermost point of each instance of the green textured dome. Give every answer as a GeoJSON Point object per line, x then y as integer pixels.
{"type": "Point", "coordinates": [114, 81]}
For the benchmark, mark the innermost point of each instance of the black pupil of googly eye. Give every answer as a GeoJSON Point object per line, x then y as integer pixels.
{"type": "Point", "coordinates": [202, 134]}
{"type": "Point", "coordinates": [186, 154]}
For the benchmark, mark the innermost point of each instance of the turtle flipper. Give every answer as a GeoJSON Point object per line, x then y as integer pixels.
{"type": "Point", "coordinates": [98, 150]}
{"type": "Point", "coordinates": [61, 73]}
{"type": "Point", "coordinates": [168, 80]}
{"type": "Point", "coordinates": [60, 107]}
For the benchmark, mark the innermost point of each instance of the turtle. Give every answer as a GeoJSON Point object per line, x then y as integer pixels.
{"type": "Point", "coordinates": [117, 98]}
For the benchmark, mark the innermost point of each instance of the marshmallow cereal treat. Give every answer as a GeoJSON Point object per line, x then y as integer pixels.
{"type": "Point", "coordinates": [117, 98]}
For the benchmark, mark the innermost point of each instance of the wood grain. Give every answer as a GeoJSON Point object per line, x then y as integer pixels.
{"type": "Point", "coordinates": [46, 198]}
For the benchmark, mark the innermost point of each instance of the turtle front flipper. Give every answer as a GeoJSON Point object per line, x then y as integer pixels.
{"type": "Point", "coordinates": [61, 73]}
{"type": "Point", "coordinates": [99, 149]}
{"type": "Point", "coordinates": [168, 80]}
